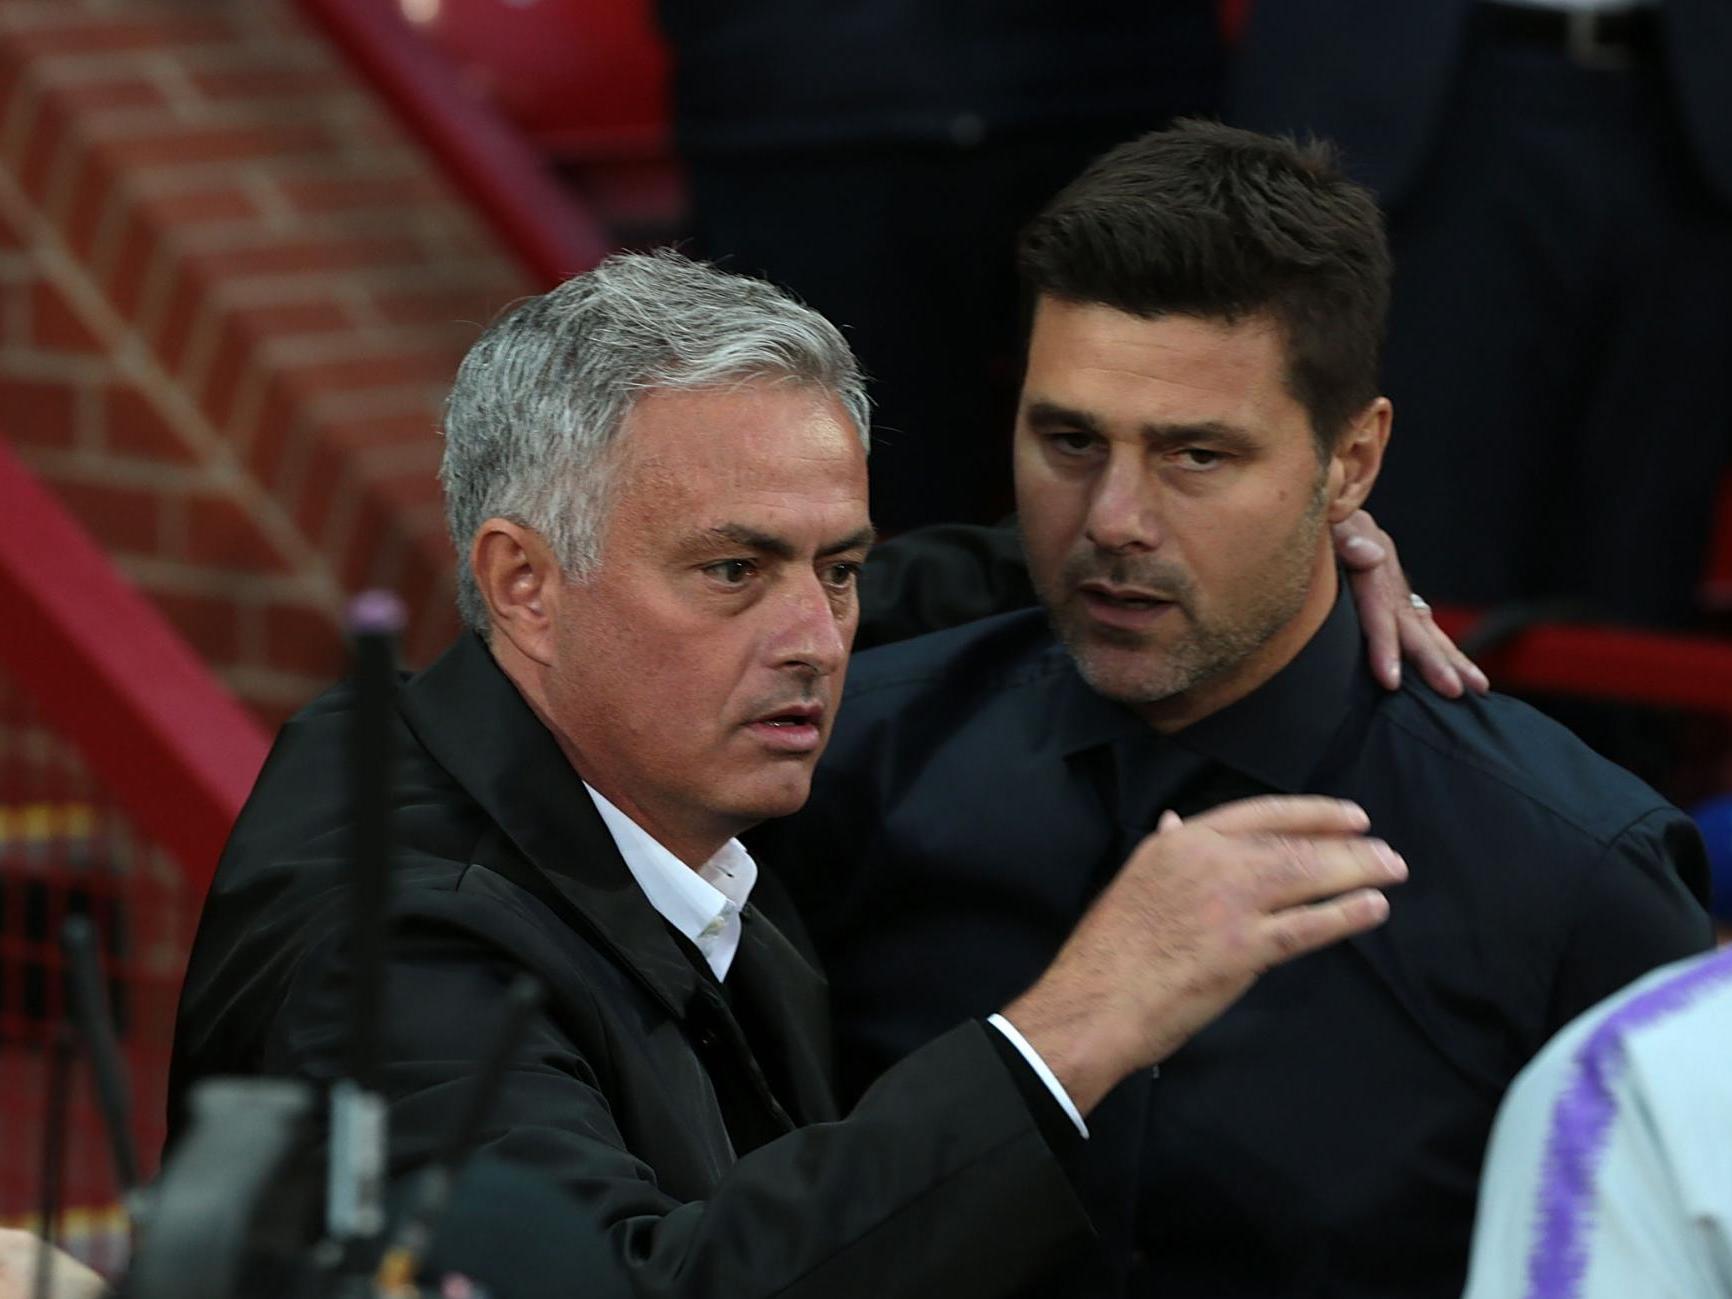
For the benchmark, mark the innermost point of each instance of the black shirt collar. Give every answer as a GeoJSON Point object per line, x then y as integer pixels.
{"type": "Point", "coordinates": [1276, 735]}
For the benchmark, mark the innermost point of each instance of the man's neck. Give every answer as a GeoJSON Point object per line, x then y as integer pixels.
{"type": "Point", "coordinates": [1257, 669]}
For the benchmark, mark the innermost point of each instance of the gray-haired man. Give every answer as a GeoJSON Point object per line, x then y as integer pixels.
{"type": "Point", "coordinates": [657, 476]}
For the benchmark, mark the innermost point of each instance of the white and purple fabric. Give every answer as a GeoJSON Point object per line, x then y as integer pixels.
{"type": "Point", "coordinates": [1610, 1169]}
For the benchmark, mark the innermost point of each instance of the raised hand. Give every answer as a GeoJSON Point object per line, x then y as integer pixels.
{"type": "Point", "coordinates": [1197, 912]}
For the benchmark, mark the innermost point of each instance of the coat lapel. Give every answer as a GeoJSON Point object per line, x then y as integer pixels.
{"type": "Point", "coordinates": [477, 726]}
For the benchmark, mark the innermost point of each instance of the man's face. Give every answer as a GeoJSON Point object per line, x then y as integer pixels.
{"type": "Point", "coordinates": [696, 673]}
{"type": "Point", "coordinates": [1173, 504]}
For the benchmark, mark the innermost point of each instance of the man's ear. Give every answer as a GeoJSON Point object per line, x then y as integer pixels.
{"type": "Point", "coordinates": [1357, 457]}
{"type": "Point", "coordinates": [518, 578]}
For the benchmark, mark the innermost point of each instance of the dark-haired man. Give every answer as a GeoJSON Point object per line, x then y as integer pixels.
{"type": "Point", "coordinates": [1200, 404]}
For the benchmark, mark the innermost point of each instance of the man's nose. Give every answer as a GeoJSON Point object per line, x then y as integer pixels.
{"type": "Point", "coordinates": [1124, 509]}
{"type": "Point", "coordinates": [815, 627]}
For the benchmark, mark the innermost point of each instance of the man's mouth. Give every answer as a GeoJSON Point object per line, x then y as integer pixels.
{"type": "Point", "coordinates": [1134, 597]}
{"type": "Point", "coordinates": [794, 729]}
{"type": "Point", "coordinates": [1123, 606]}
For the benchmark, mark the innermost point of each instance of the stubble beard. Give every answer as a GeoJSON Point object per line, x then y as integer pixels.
{"type": "Point", "coordinates": [1135, 669]}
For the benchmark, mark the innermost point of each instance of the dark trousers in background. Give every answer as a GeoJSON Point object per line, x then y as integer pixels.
{"type": "Point", "coordinates": [1560, 348]}
{"type": "Point", "coordinates": [910, 248]}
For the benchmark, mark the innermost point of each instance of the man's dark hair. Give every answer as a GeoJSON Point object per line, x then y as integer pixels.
{"type": "Point", "coordinates": [1207, 220]}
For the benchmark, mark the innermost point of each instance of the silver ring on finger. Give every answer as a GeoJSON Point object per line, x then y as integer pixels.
{"type": "Point", "coordinates": [1418, 602]}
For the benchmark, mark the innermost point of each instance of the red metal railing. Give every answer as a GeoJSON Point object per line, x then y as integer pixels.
{"type": "Point", "coordinates": [122, 765]}
{"type": "Point", "coordinates": [1660, 670]}
{"type": "Point", "coordinates": [552, 233]}
{"type": "Point", "coordinates": [113, 678]}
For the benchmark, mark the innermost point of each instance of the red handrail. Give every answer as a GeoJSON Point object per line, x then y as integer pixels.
{"type": "Point", "coordinates": [547, 228]}
{"type": "Point", "coordinates": [178, 753]}
{"type": "Point", "coordinates": [1659, 669]}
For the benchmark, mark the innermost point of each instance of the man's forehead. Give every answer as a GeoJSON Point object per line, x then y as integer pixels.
{"type": "Point", "coordinates": [776, 464]}
{"type": "Point", "coordinates": [1171, 368]}
{"type": "Point", "coordinates": [776, 542]}
{"type": "Point", "coordinates": [711, 429]}
{"type": "Point", "coordinates": [1099, 322]}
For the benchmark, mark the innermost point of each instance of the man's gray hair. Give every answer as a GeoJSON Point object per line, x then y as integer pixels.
{"type": "Point", "coordinates": [540, 398]}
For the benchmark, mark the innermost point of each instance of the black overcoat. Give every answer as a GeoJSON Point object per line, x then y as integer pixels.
{"type": "Point", "coordinates": [708, 1158]}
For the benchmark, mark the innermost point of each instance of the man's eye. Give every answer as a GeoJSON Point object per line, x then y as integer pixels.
{"type": "Point", "coordinates": [1199, 457]}
{"type": "Point", "coordinates": [1071, 442]}
{"type": "Point", "coordinates": [731, 572]}
{"type": "Point", "coordinates": [842, 576]}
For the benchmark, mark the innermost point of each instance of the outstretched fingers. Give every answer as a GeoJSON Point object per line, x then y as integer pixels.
{"type": "Point", "coordinates": [1292, 872]}
{"type": "Point", "coordinates": [1295, 931]}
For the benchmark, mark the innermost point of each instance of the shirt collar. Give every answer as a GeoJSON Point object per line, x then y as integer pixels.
{"type": "Point", "coordinates": [1276, 734]}
{"type": "Point", "coordinates": [700, 903]}
{"type": "Point", "coordinates": [1279, 732]}
{"type": "Point", "coordinates": [1082, 717]}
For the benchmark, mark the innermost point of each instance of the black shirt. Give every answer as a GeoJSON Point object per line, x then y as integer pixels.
{"type": "Point", "coordinates": [1325, 1135]}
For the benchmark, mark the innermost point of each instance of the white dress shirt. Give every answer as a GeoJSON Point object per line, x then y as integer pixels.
{"type": "Point", "coordinates": [704, 905]}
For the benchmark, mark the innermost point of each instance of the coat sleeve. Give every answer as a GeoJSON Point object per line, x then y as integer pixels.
{"type": "Point", "coordinates": [938, 1182]}
{"type": "Point", "coordinates": [940, 576]}
{"type": "Point", "coordinates": [1640, 909]}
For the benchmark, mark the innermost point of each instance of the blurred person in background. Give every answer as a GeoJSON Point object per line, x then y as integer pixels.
{"type": "Point", "coordinates": [878, 157]}
{"type": "Point", "coordinates": [1713, 818]}
{"type": "Point", "coordinates": [1610, 1170]}
{"type": "Point", "coordinates": [1558, 178]}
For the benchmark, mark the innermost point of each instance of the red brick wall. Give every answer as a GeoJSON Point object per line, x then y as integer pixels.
{"type": "Point", "coordinates": [232, 292]}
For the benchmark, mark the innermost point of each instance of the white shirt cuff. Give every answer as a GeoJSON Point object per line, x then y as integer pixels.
{"type": "Point", "coordinates": [1046, 1075]}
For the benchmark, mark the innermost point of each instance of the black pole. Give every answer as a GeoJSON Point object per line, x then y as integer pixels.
{"type": "Point", "coordinates": [57, 1106]}
{"type": "Point", "coordinates": [90, 1011]}
{"type": "Point", "coordinates": [355, 1212]}
{"type": "Point", "coordinates": [375, 619]}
